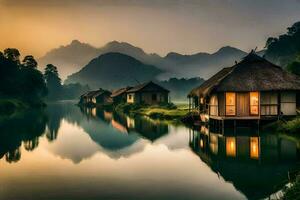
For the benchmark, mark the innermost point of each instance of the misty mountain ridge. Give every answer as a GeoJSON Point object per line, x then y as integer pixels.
{"type": "Point", "coordinates": [114, 70]}
{"type": "Point", "coordinates": [72, 57]}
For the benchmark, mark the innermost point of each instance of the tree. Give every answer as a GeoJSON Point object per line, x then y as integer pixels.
{"type": "Point", "coordinates": [26, 83]}
{"type": "Point", "coordinates": [12, 54]}
{"type": "Point", "coordinates": [53, 81]}
{"type": "Point", "coordinates": [29, 61]}
{"type": "Point", "coordinates": [284, 49]}
{"type": "Point", "coordinates": [294, 28]}
{"type": "Point", "coordinates": [294, 68]}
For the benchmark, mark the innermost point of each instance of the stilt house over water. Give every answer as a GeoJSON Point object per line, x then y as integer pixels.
{"type": "Point", "coordinates": [251, 89]}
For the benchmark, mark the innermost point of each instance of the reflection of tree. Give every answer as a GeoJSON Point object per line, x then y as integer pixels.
{"type": "Point", "coordinates": [13, 155]}
{"type": "Point", "coordinates": [30, 145]}
{"type": "Point", "coordinates": [20, 129]}
{"type": "Point", "coordinates": [55, 115]}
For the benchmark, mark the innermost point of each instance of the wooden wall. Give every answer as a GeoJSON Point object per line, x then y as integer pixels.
{"type": "Point", "coordinates": [148, 98]}
{"type": "Point", "coordinates": [288, 103]}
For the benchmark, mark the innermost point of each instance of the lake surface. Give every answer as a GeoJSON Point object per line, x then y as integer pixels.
{"type": "Point", "coordinates": [66, 152]}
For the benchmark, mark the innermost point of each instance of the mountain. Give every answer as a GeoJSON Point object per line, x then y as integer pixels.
{"type": "Point", "coordinates": [114, 70]}
{"type": "Point", "coordinates": [71, 58]}
{"type": "Point", "coordinates": [203, 64]}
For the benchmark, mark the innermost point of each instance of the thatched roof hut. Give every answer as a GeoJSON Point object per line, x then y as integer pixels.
{"type": "Point", "coordinates": [251, 89]}
{"type": "Point", "coordinates": [253, 73]}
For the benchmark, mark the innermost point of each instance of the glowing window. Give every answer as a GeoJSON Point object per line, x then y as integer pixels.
{"type": "Point", "coordinates": [254, 147]}
{"type": "Point", "coordinates": [254, 103]}
{"type": "Point", "coordinates": [201, 143]}
{"type": "Point", "coordinates": [230, 103]}
{"type": "Point", "coordinates": [230, 146]}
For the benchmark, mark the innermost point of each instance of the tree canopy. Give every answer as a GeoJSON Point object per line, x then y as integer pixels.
{"type": "Point", "coordinates": [286, 47]}
{"type": "Point", "coordinates": [18, 80]}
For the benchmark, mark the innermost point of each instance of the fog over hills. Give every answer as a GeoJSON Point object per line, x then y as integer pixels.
{"type": "Point", "coordinates": [114, 70]}
{"type": "Point", "coordinates": [74, 56]}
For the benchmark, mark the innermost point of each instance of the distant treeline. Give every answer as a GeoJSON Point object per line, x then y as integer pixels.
{"type": "Point", "coordinates": [58, 91]}
{"type": "Point", "coordinates": [179, 88]}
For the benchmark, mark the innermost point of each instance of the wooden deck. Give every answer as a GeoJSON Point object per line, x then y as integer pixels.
{"type": "Point", "coordinates": [243, 118]}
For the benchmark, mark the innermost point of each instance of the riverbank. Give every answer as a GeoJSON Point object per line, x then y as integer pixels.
{"type": "Point", "coordinates": [170, 112]}
{"type": "Point", "coordinates": [12, 106]}
{"type": "Point", "coordinates": [292, 192]}
{"type": "Point", "coordinates": [291, 126]}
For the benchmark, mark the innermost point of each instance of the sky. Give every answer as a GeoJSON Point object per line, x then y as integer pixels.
{"type": "Point", "coordinates": [160, 26]}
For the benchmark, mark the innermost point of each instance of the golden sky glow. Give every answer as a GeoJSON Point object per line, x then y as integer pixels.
{"type": "Point", "coordinates": [187, 27]}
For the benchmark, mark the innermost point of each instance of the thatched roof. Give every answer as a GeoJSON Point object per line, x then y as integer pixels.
{"type": "Point", "coordinates": [96, 93]}
{"type": "Point", "coordinates": [147, 87]}
{"type": "Point", "coordinates": [253, 73]}
{"type": "Point", "coordinates": [121, 91]}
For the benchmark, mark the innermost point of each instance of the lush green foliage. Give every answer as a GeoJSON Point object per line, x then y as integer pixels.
{"type": "Point", "coordinates": [292, 126]}
{"type": "Point", "coordinates": [293, 193]}
{"type": "Point", "coordinates": [294, 67]}
{"type": "Point", "coordinates": [286, 47]}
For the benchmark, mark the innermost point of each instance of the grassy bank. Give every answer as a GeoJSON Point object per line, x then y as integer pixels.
{"type": "Point", "coordinates": [162, 112]}
{"type": "Point", "coordinates": [11, 106]}
{"type": "Point", "coordinates": [289, 127]}
{"type": "Point", "coordinates": [293, 192]}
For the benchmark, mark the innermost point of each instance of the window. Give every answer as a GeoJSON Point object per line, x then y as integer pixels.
{"type": "Point", "coordinates": [268, 103]}
{"type": "Point", "coordinates": [213, 105]}
{"type": "Point", "coordinates": [130, 97]}
{"type": "Point", "coordinates": [254, 103]}
{"type": "Point", "coordinates": [230, 103]}
{"type": "Point", "coordinates": [154, 97]}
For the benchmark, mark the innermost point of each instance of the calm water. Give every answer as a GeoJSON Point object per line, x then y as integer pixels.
{"type": "Point", "coordinates": [70, 153]}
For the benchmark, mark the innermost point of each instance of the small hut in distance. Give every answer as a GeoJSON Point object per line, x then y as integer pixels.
{"type": "Point", "coordinates": [149, 93]}
{"type": "Point", "coordinates": [120, 95]}
{"type": "Point", "coordinates": [100, 96]}
{"type": "Point", "coordinates": [251, 89]}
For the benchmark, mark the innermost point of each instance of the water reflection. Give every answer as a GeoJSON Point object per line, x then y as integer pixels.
{"type": "Point", "coordinates": [94, 153]}
{"type": "Point", "coordinates": [144, 127]}
{"type": "Point", "coordinates": [21, 129]}
{"type": "Point", "coordinates": [257, 163]}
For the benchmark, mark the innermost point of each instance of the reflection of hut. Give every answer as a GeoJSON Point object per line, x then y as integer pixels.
{"type": "Point", "coordinates": [145, 127]}
{"type": "Point", "coordinates": [150, 129]}
{"type": "Point", "coordinates": [252, 89]}
{"type": "Point", "coordinates": [118, 126]}
{"type": "Point", "coordinates": [256, 165]}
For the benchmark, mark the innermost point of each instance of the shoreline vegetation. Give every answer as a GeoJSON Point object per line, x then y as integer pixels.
{"type": "Point", "coordinates": [290, 127]}
{"type": "Point", "coordinates": [167, 112]}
